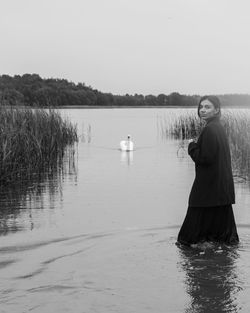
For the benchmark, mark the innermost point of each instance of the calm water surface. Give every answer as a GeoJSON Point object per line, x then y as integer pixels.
{"type": "Point", "coordinates": [99, 235]}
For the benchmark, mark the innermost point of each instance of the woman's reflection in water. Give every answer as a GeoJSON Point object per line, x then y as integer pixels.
{"type": "Point", "coordinates": [211, 280]}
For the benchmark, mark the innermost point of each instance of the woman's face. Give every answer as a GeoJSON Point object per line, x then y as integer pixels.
{"type": "Point", "coordinates": [207, 110]}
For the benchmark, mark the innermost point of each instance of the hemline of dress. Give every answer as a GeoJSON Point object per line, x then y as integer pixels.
{"type": "Point", "coordinates": [209, 224]}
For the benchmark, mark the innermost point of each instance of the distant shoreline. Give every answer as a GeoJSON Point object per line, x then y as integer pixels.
{"type": "Point", "coordinates": [31, 89]}
{"type": "Point", "coordinates": [120, 107]}
{"type": "Point", "coordinates": [138, 107]}
{"type": "Point", "coordinates": [115, 107]}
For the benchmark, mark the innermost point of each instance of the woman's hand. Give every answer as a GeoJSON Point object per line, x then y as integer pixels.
{"type": "Point", "coordinates": [192, 140]}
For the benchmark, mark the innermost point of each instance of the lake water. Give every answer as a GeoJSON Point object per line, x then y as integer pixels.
{"type": "Point", "coordinates": [99, 236]}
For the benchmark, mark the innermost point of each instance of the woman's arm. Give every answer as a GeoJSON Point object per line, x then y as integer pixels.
{"type": "Point", "coordinates": [204, 151]}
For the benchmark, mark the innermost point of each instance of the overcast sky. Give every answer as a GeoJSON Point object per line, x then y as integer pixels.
{"type": "Point", "coordinates": [130, 46]}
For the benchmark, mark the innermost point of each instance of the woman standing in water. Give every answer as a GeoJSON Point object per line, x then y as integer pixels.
{"type": "Point", "coordinates": [210, 215]}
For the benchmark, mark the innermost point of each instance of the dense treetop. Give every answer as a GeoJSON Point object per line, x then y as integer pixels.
{"type": "Point", "coordinates": [32, 90]}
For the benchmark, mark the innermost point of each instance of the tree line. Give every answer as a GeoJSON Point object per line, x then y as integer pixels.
{"type": "Point", "coordinates": [32, 90]}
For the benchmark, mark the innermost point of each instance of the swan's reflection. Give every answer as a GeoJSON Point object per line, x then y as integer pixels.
{"type": "Point", "coordinates": [127, 157]}
{"type": "Point", "coordinates": [211, 279]}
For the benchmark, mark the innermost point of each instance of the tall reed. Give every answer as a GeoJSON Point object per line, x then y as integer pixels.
{"type": "Point", "coordinates": [237, 126]}
{"type": "Point", "coordinates": [32, 140]}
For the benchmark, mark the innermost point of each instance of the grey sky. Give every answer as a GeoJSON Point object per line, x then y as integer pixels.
{"type": "Point", "coordinates": [130, 46]}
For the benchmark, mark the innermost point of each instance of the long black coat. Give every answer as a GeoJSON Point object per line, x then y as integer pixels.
{"type": "Point", "coordinates": [213, 184]}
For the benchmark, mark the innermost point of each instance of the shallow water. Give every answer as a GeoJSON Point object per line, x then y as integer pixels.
{"type": "Point", "coordinates": [100, 237]}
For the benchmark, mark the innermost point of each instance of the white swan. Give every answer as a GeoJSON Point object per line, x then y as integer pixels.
{"type": "Point", "coordinates": [127, 145]}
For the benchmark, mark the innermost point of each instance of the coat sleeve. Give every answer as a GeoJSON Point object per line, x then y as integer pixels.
{"type": "Point", "coordinates": [204, 151]}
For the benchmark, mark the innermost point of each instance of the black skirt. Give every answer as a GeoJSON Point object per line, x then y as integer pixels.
{"type": "Point", "coordinates": [213, 224]}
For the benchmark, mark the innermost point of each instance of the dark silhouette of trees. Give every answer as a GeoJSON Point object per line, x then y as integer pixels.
{"type": "Point", "coordinates": [32, 90]}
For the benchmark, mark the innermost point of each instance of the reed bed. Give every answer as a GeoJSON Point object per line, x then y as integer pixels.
{"type": "Point", "coordinates": [32, 141]}
{"type": "Point", "coordinates": [237, 126]}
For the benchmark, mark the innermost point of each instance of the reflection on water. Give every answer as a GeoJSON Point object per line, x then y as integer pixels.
{"type": "Point", "coordinates": [212, 280]}
{"type": "Point", "coordinates": [17, 202]}
{"type": "Point", "coordinates": [127, 157]}
{"type": "Point", "coordinates": [97, 232]}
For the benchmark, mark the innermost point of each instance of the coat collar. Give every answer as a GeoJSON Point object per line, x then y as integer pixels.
{"type": "Point", "coordinates": [215, 119]}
